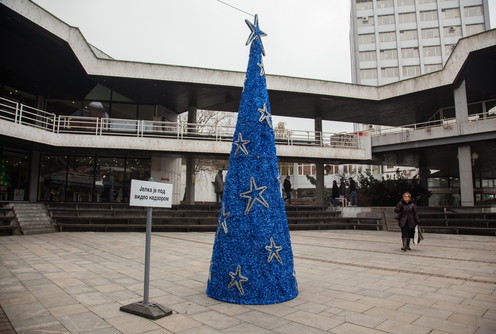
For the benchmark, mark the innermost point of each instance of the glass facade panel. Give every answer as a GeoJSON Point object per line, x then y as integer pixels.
{"type": "Point", "coordinates": [124, 110]}
{"type": "Point", "coordinates": [389, 54]}
{"type": "Point", "coordinates": [385, 19]}
{"type": "Point", "coordinates": [411, 71]}
{"type": "Point", "coordinates": [432, 68]}
{"type": "Point", "coordinates": [390, 72]}
{"type": "Point", "coordinates": [387, 36]}
{"type": "Point", "coordinates": [14, 176]}
{"type": "Point", "coordinates": [451, 13]}
{"type": "Point", "coordinates": [367, 56]}
{"type": "Point", "coordinates": [109, 180]}
{"type": "Point", "coordinates": [363, 4]}
{"type": "Point", "coordinates": [80, 175]}
{"type": "Point", "coordinates": [53, 178]}
{"type": "Point", "coordinates": [410, 53]}
{"type": "Point", "coordinates": [406, 17]}
{"type": "Point", "coordinates": [368, 73]}
{"type": "Point", "coordinates": [428, 15]}
{"type": "Point", "coordinates": [430, 33]}
{"type": "Point", "coordinates": [431, 51]}
{"type": "Point", "coordinates": [408, 35]}
{"type": "Point", "coordinates": [366, 39]}
{"type": "Point", "coordinates": [473, 29]}
{"type": "Point", "coordinates": [473, 11]}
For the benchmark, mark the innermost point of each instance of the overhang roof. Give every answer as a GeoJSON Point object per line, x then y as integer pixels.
{"type": "Point", "coordinates": [43, 52]}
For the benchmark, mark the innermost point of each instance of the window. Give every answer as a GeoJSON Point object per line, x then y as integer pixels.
{"type": "Point", "coordinates": [452, 31]}
{"type": "Point", "coordinates": [387, 36]}
{"type": "Point", "coordinates": [448, 48]}
{"type": "Point", "coordinates": [432, 51]}
{"type": "Point", "coordinates": [451, 13]}
{"type": "Point", "coordinates": [384, 3]}
{"type": "Point", "coordinates": [432, 68]}
{"type": "Point", "coordinates": [390, 72]}
{"type": "Point", "coordinates": [426, 1]}
{"type": "Point", "coordinates": [406, 17]}
{"type": "Point", "coordinates": [306, 169]}
{"type": "Point", "coordinates": [430, 33]}
{"type": "Point", "coordinates": [363, 4]}
{"type": "Point", "coordinates": [408, 35]}
{"type": "Point", "coordinates": [389, 54]}
{"type": "Point", "coordinates": [385, 19]}
{"type": "Point", "coordinates": [410, 53]}
{"type": "Point", "coordinates": [370, 73]}
{"type": "Point", "coordinates": [406, 2]}
{"type": "Point", "coordinates": [411, 71]}
{"type": "Point", "coordinates": [473, 11]}
{"type": "Point", "coordinates": [367, 56]}
{"type": "Point", "coordinates": [429, 15]}
{"type": "Point", "coordinates": [365, 21]}
{"type": "Point", "coordinates": [366, 39]}
{"type": "Point", "coordinates": [473, 29]}
{"type": "Point", "coordinates": [124, 110]}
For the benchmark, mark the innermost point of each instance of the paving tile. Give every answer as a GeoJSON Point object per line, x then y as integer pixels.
{"type": "Point", "coordinates": [132, 324]}
{"type": "Point", "coordinates": [216, 319]}
{"type": "Point", "coordinates": [177, 323]}
{"type": "Point", "coordinates": [262, 320]}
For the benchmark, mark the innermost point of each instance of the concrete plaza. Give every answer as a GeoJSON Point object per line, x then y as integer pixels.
{"type": "Point", "coordinates": [349, 282]}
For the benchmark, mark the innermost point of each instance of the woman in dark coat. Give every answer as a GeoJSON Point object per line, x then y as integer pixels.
{"type": "Point", "coordinates": [407, 219]}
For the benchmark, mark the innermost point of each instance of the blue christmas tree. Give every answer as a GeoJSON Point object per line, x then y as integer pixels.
{"type": "Point", "coordinates": [252, 260]}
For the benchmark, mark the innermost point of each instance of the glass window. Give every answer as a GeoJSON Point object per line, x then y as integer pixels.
{"type": "Point", "coordinates": [109, 180]}
{"type": "Point", "coordinates": [410, 53]}
{"type": "Point", "coordinates": [430, 33]}
{"type": "Point", "coordinates": [365, 21]}
{"type": "Point", "coordinates": [406, 2]}
{"type": "Point", "coordinates": [429, 15]}
{"type": "Point", "coordinates": [411, 71]}
{"type": "Point", "coordinates": [406, 17]}
{"type": "Point", "coordinates": [432, 68]}
{"type": "Point", "coordinates": [53, 176]}
{"type": "Point", "coordinates": [473, 29]}
{"type": "Point", "coordinates": [370, 73]}
{"type": "Point", "coordinates": [451, 13]}
{"type": "Point", "coordinates": [14, 176]}
{"type": "Point", "coordinates": [408, 35]}
{"type": "Point", "coordinates": [363, 4]}
{"type": "Point", "coordinates": [367, 56]}
{"type": "Point", "coordinates": [452, 31]}
{"type": "Point", "coordinates": [385, 19]}
{"type": "Point", "coordinates": [146, 112]}
{"type": "Point", "coordinates": [426, 1]}
{"type": "Point", "coordinates": [384, 3]}
{"type": "Point", "coordinates": [18, 95]}
{"type": "Point", "coordinates": [389, 54]}
{"type": "Point", "coordinates": [431, 51]}
{"type": "Point", "coordinates": [124, 110]}
{"type": "Point", "coordinates": [473, 11]}
{"type": "Point", "coordinates": [387, 36]}
{"type": "Point", "coordinates": [390, 72]}
{"type": "Point", "coordinates": [366, 39]}
{"type": "Point", "coordinates": [80, 175]}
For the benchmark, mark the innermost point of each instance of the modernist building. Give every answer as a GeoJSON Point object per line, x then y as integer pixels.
{"type": "Point", "coordinates": [55, 147]}
{"type": "Point", "coordinates": [393, 40]}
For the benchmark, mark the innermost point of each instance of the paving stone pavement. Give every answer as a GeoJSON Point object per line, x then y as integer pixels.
{"type": "Point", "coordinates": [349, 282]}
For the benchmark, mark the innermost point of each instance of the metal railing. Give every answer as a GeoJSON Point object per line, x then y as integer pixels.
{"type": "Point", "coordinates": [445, 122]}
{"type": "Point", "coordinates": [21, 114]}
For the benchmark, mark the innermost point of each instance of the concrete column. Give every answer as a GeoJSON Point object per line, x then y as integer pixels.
{"type": "Point", "coordinates": [466, 178]}
{"type": "Point", "coordinates": [318, 130]}
{"type": "Point", "coordinates": [319, 185]}
{"type": "Point", "coordinates": [189, 194]}
{"type": "Point", "coordinates": [34, 176]}
{"type": "Point", "coordinates": [461, 108]}
{"type": "Point", "coordinates": [168, 170]}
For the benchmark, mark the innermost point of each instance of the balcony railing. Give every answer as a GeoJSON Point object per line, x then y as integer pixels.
{"type": "Point", "coordinates": [24, 115]}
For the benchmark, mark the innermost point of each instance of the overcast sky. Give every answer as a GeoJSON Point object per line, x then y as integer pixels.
{"type": "Point", "coordinates": [307, 39]}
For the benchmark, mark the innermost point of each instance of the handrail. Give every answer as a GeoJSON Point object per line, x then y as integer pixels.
{"type": "Point", "coordinates": [25, 115]}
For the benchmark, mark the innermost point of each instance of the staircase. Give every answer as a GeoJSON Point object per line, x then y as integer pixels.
{"type": "Point", "coordinates": [33, 218]}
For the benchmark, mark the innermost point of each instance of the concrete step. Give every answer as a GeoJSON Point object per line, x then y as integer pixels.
{"type": "Point", "coordinates": [33, 218]}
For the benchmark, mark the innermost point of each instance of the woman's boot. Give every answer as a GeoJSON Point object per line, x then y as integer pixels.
{"type": "Point", "coordinates": [404, 244]}
{"type": "Point", "coordinates": [408, 244]}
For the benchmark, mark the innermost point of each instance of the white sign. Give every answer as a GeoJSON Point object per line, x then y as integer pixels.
{"type": "Point", "coordinates": [150, 194]}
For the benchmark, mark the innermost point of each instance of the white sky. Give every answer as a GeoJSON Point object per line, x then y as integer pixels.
{"type": "Point", "coordinates": [307, 39]}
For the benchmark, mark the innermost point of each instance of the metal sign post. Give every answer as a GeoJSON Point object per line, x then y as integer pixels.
{"type": "Point", "coordinates": [149, 194]}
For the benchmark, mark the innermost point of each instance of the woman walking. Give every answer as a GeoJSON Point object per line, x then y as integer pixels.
{"type": "Point", "coordinates": [407, 219]}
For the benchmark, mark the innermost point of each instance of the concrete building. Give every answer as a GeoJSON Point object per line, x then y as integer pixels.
{"type": "Point", "coordinates": [54, 147]}
{"type": "Point", "coordinates": [393, 40]}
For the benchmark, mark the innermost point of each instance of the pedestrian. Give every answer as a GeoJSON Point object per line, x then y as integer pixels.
{"type": "Point", "coordinates": [287, 188]}
{"type": "Point", "coordinates": [219, 186]}
{"type": "Point", "coordinates": [406, 214]}
{"type": "Point", "coordinates": [353, 192]}
{"type": "Point", "coordinates": [335, 193]}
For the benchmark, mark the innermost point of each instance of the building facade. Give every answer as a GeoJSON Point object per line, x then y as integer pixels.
{"type": "Point", "coordinates": [392, 40]}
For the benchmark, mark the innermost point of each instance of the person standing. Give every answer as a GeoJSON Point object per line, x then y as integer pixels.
{"type": "Point", "coordinates": [287, 188]}
{"type": "Point", "coordinates": [408, 218]}
{"type": "Point", "coordinates": [353, 192]}
{"type": "Point", "coordinates": [219, 186]}
{"type": "Point", "coordinates": [335, 193]}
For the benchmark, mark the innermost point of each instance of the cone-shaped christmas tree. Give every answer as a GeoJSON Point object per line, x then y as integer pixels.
{"type": "Point", "coordinates": [252, 260]}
